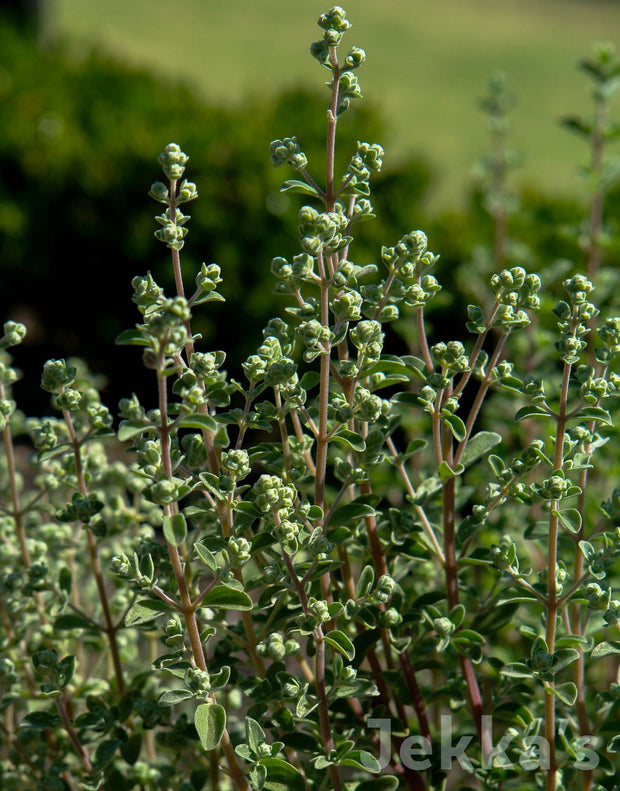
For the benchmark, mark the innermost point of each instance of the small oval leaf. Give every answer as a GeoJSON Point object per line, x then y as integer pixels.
{"type": "Point", "coordinates": [227, 598]}
{"type": "Point", "coordinates": [210, 722]}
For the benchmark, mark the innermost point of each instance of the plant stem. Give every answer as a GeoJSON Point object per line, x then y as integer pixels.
{"type": "Point", "coordinates": [187, 607]}
{"type": "Point", "coordinates": [79, 748]}
{"type": "Point", "coordinates": [552, 557]}
{"type": "Point", "coordinates": [95, 562]}
{"type": "Point", "coordinates": [326, 734]}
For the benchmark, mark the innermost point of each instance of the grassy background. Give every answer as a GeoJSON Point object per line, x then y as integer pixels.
{"type": "Point", "coordinates": [428, 61]}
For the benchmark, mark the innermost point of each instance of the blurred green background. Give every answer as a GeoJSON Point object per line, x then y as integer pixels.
{"type": "Point", "coordinates": [92, 90]}
{"type": "Point", "coordinates": [427, 64]}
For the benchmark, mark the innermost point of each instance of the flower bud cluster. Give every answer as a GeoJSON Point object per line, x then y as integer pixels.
{"type": "Point", "coordinates": [316, 338]}
{"type": "Point", "coordinates": [273, 496]}
{"type": "Point", "coordinates": [80, 509]}
{"type": "Point", "coordinates": [173, 161]}
{"type": "Point", "coordinates": [295, 273]}
{"type": "Point", "coordinates": [288, 152]}
{"type": "Point", "coordinates": [367, 336]}
{"type": "Point", "coordinates": [334, 24]}
{"type": "Point", "coordinates": [207, 280]}
{"type": "Point", "coordinates": [598, 595]}
{"type": "Point", "coordinates": [411, 249]}
{"type": "Point", "coordinates": [239, 551]}
{"type": "Point", "coordinates": [199, 681]}
{"type": "Point", "coordinates": [609, 333]}
{"type": "Point", "coordinates": [383, 590]}
{"type": "Point", "coordinates": [173, 231]}
{"type": "Point", "coordinates": [13, 334]}
{"type": "Point", "coordinates": [174, 633]}
{"type": "Point", "coordinates": [276, 647]}
{"type": "Point", "coordinates": [347, 305]}
{"type": "Point", "coordinates": [573, 317]}
{"type": "Point", "coordinates": [57, 375]}
{"type": "Point", "coordinates": [271, 365]}
{"type": "Point", "coordinates": [322, 232]}
{"type": "Point", "coordinates": [452, 358]}
{"type": "Point", "coordinates": [148, 296]}
{"type": "Point", "coordinates": [516, 292]}
{"type": "Point", "coordinates": [165, 329]}
{"type": "Point", "coordinates": [367, 157]}
{"type": "Point", "coordinates": [593, 388]}
{"type": "Point", "coordinates": [554, 488]}
{"type": "Point", "coordinates": [140, 570]}
{"type": "Point", "coordinates": [504, 556]}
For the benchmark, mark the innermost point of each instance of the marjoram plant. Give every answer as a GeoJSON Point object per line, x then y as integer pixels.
{"type": "Point", "coordinates": [354, 570]}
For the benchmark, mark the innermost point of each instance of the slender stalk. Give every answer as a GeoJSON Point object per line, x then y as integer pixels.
{"type": "Point", "coordinates": [187, 608]}
{"type": "Point", "coordinates": [326, 733]}
{"type": "Point", "coordinates": [79, 747]}
{"type": "Point", "coordinates": [12, 473]}
{"type": "Point", "coordinates": [552, 558]}
{"type": "Point", "coordinates": [95, 562]}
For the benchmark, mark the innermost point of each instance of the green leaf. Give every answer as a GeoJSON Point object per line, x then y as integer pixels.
{"type": "Point", "coordinates": [175, 529]}
{"type": "Point", "coordinates": [254, 734]}
{"type": "Point", "coordinates": [479, 445]}
{"type": "Point", "coordinates": [65, 580]}
{"type": "Point", "coordinates": [202, 422]}
{"type": "Point", "coordinates": [41, 720]}
{"type": "Point", "coordinates": [596, 413]}
{"type": "Point", "coordinates": [605, 648]}
{"type": "Point", "coordinates": [365, 582]}
{"type": "Point", "coordinates": [131, 338]}
{"type": "Point", "coordinates": [531, 411]}
{"type": "Point", "coordinates": [468, 637]}
{"type": "Point", "coordinates": [282, 776]}
{"type": "Point", "coordinates": [174, 696]}
{"type": "Point", "coordinates": [227, 598]}
{"type": "Point", "coordinates": [516, 670]}
{"type": "Point", "coordinates": [446, 472]}
{"type": "Point", "coordinates": [350, 439]}
{"type": "Point", "coordinates": [613, 746]}
{"type": "Point", "coordinates": [210, 722]}
{"type": "Point", "coordinates": [258, 773]}
{"type": "Point", "coordinates": [300, 187]}
{"type": "Point", "coordinates": [587, 550]}
{"type": "Point", "coordinates": [456, 426]}
{"type": "Point", "coordinates": [130, 749]}
{"type": "Point", "coordinates": [72, 621]}
{"type": "Point", "coordinates": [65, 670]}
{"type": "Point", "coordinates": [567, 692]}
{"type": "Point", "coordinates": [129, 429]}
{"type": "Point", "coordinates": [413, 447]}
{"type": "Point", "coordinates": [563, 658]}
{"type": "Point", "coordinates": [351, 513]}
{"type": "Point", "coordinates": [206, 556]}
{"type": "Point", "coordinates": [144, 611]}
{"type": "Point", "coordinates": [104, 753]}
{"type": "Point", "coordinates": [496, 463]}
{"type": "Point", "coordinates": [305, 704]}
{"type": "Point", "coordinates": [361, 759]}
{"type": "Point", "coordinates": [570, 518]}
{"type": "Point", "coordinates": [340, 642]}
{"type": "Point", "coordinates": [383, 783]}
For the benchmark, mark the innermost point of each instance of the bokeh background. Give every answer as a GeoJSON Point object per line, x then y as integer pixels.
{"type": "Point", "coordinates": [92, 90]}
